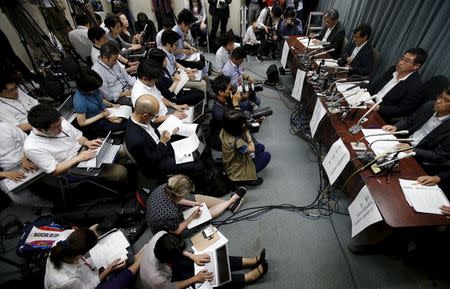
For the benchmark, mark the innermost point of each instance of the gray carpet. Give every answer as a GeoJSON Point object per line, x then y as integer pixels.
{"type": "Point", "coordinates": [303, 252]}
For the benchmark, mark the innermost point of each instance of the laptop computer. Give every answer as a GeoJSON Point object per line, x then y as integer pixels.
{"type": "Point", "coordinates": [219, 265]}
{"type": "Point", "coordinates": [8, 185]}
{"type": "Point", "coordinates": [105, 154]}
{"type": "Point", "coordinates": [66, 110]}
{"type": "Point", "coordinates": [194, 112]}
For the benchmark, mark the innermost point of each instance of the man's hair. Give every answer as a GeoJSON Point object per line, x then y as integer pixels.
{"type": "Point", "coordinates": [226, 38]}
{"type": "Point", "coordinates": [221, 83]}
{"type": "Point", "coordinates": [170, 37]}
{"type": "Point", "coordinates": [98, 18]}
{"type": "Point", "coordinates": [82, 19]}
{"type": "Point", "coordinates": [168, 23]}
{"type": "Point", "coordinates": [185, 16]}
{"type": "Point", "coordinates": [111, 21]}
{"type": "Point", "coordinates": [6, 77]}
{"type": "Point", "coordinates": [277, 11]}
{"type": "Point", "coordinates": [96, 33]}
{"type": "Point", "coordinates": [169, 248]}
{"type": "Point", "coordinates": [88, 80]}
{"type": "Point", "coordinates": [157, 55]}
{"type": "Point", "coordinates": [364, 30]}
{"type": "Point", "coordinates": [420, 55]}
{"type": "Point", "coordinates": [332, 13]}
{"type": "Point", "coordinates": [42, 116]}
{"type": "Point", "coordinates": [233, 119]}
{"type": "Point", "coordinates": [238, 53]}
{"type": "Point", "coordinates": [290, 13]}
{"type": "Point", "coordinates": [108, 49]}
{"type": "Point", "coordinates": [149, 69]}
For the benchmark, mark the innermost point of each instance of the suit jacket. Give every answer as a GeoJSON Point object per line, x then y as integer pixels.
{"type": "Point", "coordinates": [362, 64]}
{"type": "Point", "coordinates": [336, 39]}
{"type": "Point", "coordinates": [402, 99]}
{"type": "Point", "coordinates": [213, 7]}
{"type": "Point", "coordinates": [435, 146]}
{"type": "Point", "coordinates": [148, 154]}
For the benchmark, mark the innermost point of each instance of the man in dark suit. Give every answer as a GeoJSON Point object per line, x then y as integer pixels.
{"type": "Point", "coordinates": [429, 126]}
{"type": "Point", "coordinates": [358, 55]}
{"type": "Point", "coordinates": [220, 12]}
{"type": "Point", "coordinates": [152, 151]}
{"type": "Point", "coordinates": [334, 32]}
{"type": "Point", "coordinates": [398, 86]}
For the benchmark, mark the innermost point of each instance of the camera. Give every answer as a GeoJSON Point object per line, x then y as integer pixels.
{"type": "Point", "coordinates": [253, 123]}
{"type": "Point", "coordinates": [222, 4]}
{"type": "Point", "coordinates": [249, 87]}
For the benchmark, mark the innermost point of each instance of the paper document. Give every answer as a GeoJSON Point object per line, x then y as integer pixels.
{"type": "Point", "coordinates": [335, 161]}
{"type": "Point", "coordinates": [193, 57]}
{"type": "Point", "coordinates": [318, 114]}
{"type": "Point", "coordinates": [109, 248]}
{"type": "Point", "coordinates": [380, 147]}
{"type": "Point", "coordinates": [204, 217]}
{"type": "Point", "coordinates": [284, 54]}
{"type": "Point", "coordinates": [363, 211]}
{"type": "Point", "coordinates": [184, 78]}
{"type": "Point", "coordinates": [187, 129]}
{"type": "Point", "coordinates": [313, 44]}
{"type": "Point", "coordinates": [170, 124]}
{"type": "Point", "coordinates": [298, 84]}
{"type": "Point", "coordinates": [123, 111]}
{"type": "Point", "coordinates": [328, 63]}
{"type": "Point", "coordinates": [424, 199]}
{"type": "Point", "coordinates": [205, 285]}
{"type": "Point", "coordinates": [198, 75]}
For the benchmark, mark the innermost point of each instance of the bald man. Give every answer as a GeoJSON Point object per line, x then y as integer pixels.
{"type": "Point", "coordinates": [152, 151]}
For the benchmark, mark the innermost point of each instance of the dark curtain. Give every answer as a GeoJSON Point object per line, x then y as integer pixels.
{"type": "Point", "coordinates": [398, 25]}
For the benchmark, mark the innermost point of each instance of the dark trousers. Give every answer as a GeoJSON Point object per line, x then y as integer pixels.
{"type": "Point", "coordinates": [252, 49]}
{"type": "Point", "coordinates": [267, 45]}
{"type": "Point", "coordinates": [198, 33]}
{"type": "Point", "coordinates": [190, 97]}
{"type": "Point", "coordinates": [221, 16]}
{"type": "Point", "coordinates": [262, 158]}
{"type": "Point", "coordinates": [121, 280]}
{"type": "Point", "coordinates": [193, 64]}
{"type": "Point", "coordinates": [183, 268]}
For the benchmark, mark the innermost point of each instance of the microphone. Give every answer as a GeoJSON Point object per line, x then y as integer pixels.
{"type": "Point", "coordinates": [390, 139]}
{"type": "Point", "coordinates": [367, 158]}
{"type": "Point", "coordinates": [400, 132]}
{"type": "Point", "coordinates": [342, 80]}
{"type": "Point", "coordinates": [357, 127]}
{"type": "Point", "coordinates": [322, 53]}
{"type": "Point", "coordinates": [397, 159]}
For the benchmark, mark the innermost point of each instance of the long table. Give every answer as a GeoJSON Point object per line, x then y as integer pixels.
{"type": "Point", "coordinates": [386, 191]}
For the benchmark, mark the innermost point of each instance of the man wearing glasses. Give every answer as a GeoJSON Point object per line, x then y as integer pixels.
{"type": "Point", "coordinates": [398, 86]}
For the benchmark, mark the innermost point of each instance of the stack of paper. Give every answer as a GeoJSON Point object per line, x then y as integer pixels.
{"type": "Point", "coordinates": [328, 63]}
{"type": "Point", "coordinates": [184, 78]}
{"type": "Point", "coordinates": [353, 96]}
{"type": "Point", "coordinates": [122, 111]}
{"type": "Point", "coordinates": [184, 148]}
{"type": "Point", "coordinates": [204, 217]}
{"type": "Point", "coordinates": [193, 57]}
{"type": "Point", "coordinates": [423, 199]}
{"type": "Point", "coordinates": [109, 248]}
{"type": "Point", "coordinates": [305, 40]}
{"type": "Point", "coordinates": [384, 143]}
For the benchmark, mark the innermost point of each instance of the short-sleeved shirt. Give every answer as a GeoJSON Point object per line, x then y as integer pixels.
{"type": "Point", "coordinates": [234, 72]}
{"type": "Point", "coordinates": [11, 145]}
{"type": "Point", "coordinates": [163, 214]}
{"type": "Point", "coordinates": [91, 105]}
{"type": "Point", "coordinates": [140, 89]}
{"type": "Point", "coordinates": [47, 152]}
{"type": "Point", "coordinates": [238, 163]}
{"type": "Point", "coordinates": [15, 111]}
{"type": "Point", "coordinates": [180, 43]}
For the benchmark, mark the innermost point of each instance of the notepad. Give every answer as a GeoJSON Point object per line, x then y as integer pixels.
{"type": "Point", "coordinates": [204, 217]}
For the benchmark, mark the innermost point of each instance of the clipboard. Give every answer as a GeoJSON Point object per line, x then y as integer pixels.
{"type": "Point", "coordinates": [200, 243]}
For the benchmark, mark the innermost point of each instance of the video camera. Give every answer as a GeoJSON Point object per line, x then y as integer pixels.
{"type": "Point", "coordinates": [249, 87]}
{"type": "Point", "coordinates": [253, 121]}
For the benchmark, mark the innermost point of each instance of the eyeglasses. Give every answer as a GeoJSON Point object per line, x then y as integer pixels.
{"type": "Point", "coordinates": [406, 60]}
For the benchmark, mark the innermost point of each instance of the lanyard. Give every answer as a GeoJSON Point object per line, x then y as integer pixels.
{"type": "Point", "coordinates": [16, 107]}
{"type": "Point", "coordinates": [111, 71]}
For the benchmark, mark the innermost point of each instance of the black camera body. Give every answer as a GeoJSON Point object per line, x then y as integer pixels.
{"type": "Point", "coordinates": [253, 122]}
{"type": "Point", "coordinates": [249, 87]}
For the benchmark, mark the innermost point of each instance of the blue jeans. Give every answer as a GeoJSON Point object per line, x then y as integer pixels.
{"type": "Point", "coordinates": [262, 158]}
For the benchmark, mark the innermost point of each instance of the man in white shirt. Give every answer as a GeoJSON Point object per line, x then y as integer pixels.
{"type": "Point", "coordinates": [334, 33]}
{"type": "Point", "coordinates": [167, 25]}
{"type": "Point", "coordinates": [251, 42]}
{"type": "Point", "coordinates": [79, 36]}
{"type": "Point", "coordinates": [398, 87]}
{"type": "Point", "coordinates": [14, 103]}
{"type": "Point", "coordinates": [148, 74]}
{"type": "Point", "coordinates": [223, 53]}
{"type": "Point", "coordinates": [267, 23]}
{"type": "Point", "coordinates": [117, 83]}
{"type": "Point", "coordinates": [54, 145]}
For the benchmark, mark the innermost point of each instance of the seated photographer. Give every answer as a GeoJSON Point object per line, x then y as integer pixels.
{"type": "Point", "coordinates": [184, 21]}
{"type": "Point", "coordinates": [223, 53]}
{"type": "Point", "coordinates": [267, 23]}
{"type": "Point", "coordinates": [242, 158]}
{"type": "Point", "coordinates": [90, 108]}
{"type": "Point", "coordinates": [117, 83]}
{"type": "Point", "coordinates": [234, 70]}
{"type": "Point", "coordinates": [167, 84]}
{"type": "Point", "coordinates": [54, 145]}
{"type": "Point", "coordinates": [152, 150]}
{"type": "Point", "coordinates": [429, 127]}
{"type": "Point", "coordinates": [290, 25]}
{"type": "Point", "coordinates": [112, 22]}
{"type": "Point", "coordinates": [251, 42]}
{"type": "Point", "coordinates": [358, 56]}
{"type": "Point", "coordinates": [167, 264]}
{"type": "Point", "coordinates": [149, 72]}
{"type": "Point", "coordinates": [66, 267]}
{"type": "Point", "coordinates": [199, 28]}
{"type": "Point", "coordinates": [165, 205]}
{"type": "Point", "coordinates": [169, 41]}
{"type": "Point", "coordinates": [14, 101]}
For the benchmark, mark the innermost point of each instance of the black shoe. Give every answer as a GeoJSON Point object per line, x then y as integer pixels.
{"type": "Point", "coordinates": [261, 258]}
{"type": "Point", "coordinates": [265, 269]}
{"type": "Point", "coordinates": [259, 58]}
{"type": "Point", "coordinates": [241, 191]}
{"type": "Point", "coordinates": [256, 182]}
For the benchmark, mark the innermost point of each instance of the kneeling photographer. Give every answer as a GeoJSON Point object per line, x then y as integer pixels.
{"type": "Point", "coordinates": [268, 23]}
{"type": "Point", "coordinates": [242, 158]}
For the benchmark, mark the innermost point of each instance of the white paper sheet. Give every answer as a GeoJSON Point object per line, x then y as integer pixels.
{"type": "Point", "coordinates": [184, 78]}
{"type": "Point", "coordinates": [187, 129]}
{"type": "Point", "coordinates": [193, 57]}
{"type": "Point", "coordinates": [186, 146]}
{"type": "Point", "coordinates": [328, 63]}
{"type": "Point", "coordinates": [336, 159]}
{"type": "Point", "coordinates": [298, 84]}
{"type": "Point", "coordinates": [123, 111]}
{"type": "Point", "coordinates": [380, 147]}
{"type": "Point", "coordinates": [318, 114]}
{"type": "Point", "coordinates": [304, 41]}
{"type": "Point", "coordinates": [363, 211]}
{"type": "Point", "coordinates": [109, 248]}
{"type": "Point", "coordinates": [171, 123]}
{"type": "Point", "coordinates": [424, 199]}
{"type": "Point", "coordinates": [284, 54]}
{"type": "Point", "coordinates": [205, 216]}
